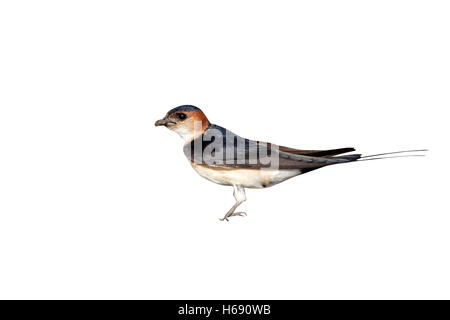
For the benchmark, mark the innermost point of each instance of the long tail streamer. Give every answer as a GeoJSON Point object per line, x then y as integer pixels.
{"type": "Point", "coordinates": [379, 155]}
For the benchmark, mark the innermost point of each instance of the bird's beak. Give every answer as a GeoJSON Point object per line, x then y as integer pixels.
{"type": "Point", "coordinates": [163, 122]}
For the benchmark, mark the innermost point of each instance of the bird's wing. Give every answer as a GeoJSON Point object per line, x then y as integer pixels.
{"type": "Point", "coordinates": [221, 148]}
{"type": "Point", "coordinates": [316, 153]}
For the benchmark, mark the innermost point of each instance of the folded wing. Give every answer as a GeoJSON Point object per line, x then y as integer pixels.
{"type": "Point", "coordinates": [221, 148]}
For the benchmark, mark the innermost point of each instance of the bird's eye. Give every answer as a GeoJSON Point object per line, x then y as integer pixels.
{"type": "Point", "coordinates": [181, 116]}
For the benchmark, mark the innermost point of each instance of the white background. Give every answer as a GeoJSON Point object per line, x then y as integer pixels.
{"type": "Point", "coordinates": [95, 202]}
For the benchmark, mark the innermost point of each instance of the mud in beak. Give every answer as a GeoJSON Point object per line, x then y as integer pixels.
{"type": "Point", "coordinates": [163, 122]}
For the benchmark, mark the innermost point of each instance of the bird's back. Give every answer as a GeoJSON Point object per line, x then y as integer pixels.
{"type": "Point", "coordinates": [221, 148]}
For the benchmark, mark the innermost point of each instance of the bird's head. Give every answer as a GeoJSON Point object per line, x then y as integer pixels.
{"type": "Point", "coordinates": [188, 121]}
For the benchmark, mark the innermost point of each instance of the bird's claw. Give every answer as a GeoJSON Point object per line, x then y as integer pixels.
{"type": "Point", "coordinates": [240, 214]}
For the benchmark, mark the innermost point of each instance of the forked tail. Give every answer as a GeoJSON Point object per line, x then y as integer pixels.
{"type": "Point", "coordinates": [378, 156]}
{"type": "Point", "coordinates": [418, 153]}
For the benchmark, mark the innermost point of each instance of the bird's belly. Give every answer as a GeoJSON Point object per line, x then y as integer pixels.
{"type": "Point", "coordinates": [248, 178]}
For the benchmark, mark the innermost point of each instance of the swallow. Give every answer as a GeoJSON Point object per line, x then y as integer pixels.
{"type": "Point", "coordinates": [225, 158]}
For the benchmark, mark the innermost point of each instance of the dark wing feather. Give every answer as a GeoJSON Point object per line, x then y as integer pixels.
{"type": "Point", "coordinates": [316, 153]}
{"type": "Point", "coordinates": [233, 151]}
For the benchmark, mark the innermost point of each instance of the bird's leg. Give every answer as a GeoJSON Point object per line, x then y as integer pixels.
{"type": "Point", "coordinates": [230, 212]}
{"type": "Point", "coordinates": [239, 195]}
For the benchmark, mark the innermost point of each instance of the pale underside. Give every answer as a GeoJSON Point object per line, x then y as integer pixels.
{"type": "Point", "coordinates": [247, 178]}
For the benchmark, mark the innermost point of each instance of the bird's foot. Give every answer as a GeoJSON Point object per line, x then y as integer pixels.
{"type": "Point", "coordinates": [240, 214]}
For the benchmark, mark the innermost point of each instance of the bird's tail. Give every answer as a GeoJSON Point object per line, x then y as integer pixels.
{"type": "Point", "coordinates": [389, 155]}
{"type": "Point", "coordinates": [385, 155]}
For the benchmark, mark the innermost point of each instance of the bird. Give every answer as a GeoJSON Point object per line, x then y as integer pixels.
{"type": "Point", "coordinates": [225, 158]}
